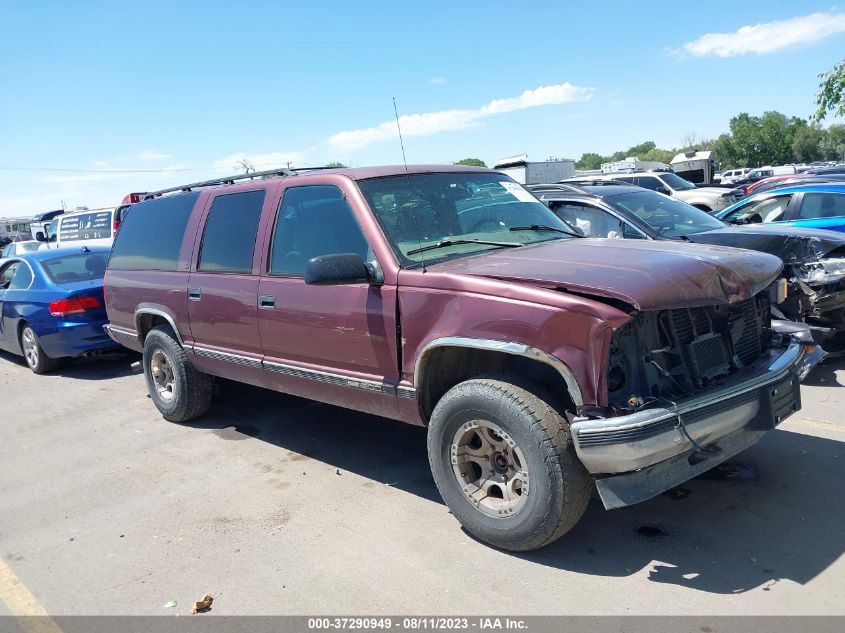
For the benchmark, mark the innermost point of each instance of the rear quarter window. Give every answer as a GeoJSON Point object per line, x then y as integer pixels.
{"type": "Point", "coordinates": [151, 234]}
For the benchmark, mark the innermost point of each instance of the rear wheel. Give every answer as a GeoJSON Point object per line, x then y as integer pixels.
{"type": "Point", "coordinates": [503, 461]}
{"type": "Point", "coordinates": [179, 391]}
{"type": "Point", "coordinates": [36, 359]}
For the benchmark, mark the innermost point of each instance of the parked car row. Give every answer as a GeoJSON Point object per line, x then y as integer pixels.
{"type": "Point", "coordinates": [547, 356]}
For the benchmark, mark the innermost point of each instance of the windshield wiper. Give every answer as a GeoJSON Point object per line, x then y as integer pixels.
{"type": "Point", "coordinates": [447, 243]}
{"type": "Point", "coordinates": [543, 227]}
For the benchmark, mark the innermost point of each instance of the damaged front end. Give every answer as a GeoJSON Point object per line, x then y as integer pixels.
{"type": "Point", "coordinates": [816, 295]}
{"type": "Point", "coordinates": [814, 269]}
{"type": "Point", "coordinates": [687, 388]}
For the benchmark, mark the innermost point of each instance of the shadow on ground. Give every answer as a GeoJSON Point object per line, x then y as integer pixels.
{"type": "Point", "coordinates": [101, 367]}
{"type": "Point", "coordinates": [824, 374]}
{"type": "Point", "coordinates": [781, 520]}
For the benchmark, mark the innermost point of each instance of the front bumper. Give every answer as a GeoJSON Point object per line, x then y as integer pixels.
{"type": "Point", "coordinates": [640, 455]}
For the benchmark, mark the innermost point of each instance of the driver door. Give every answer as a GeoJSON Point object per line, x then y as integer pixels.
{"type": "Point", "coordinates": [334, 343]}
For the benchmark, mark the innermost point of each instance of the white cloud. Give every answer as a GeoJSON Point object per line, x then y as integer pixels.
{"type": "Point", "coordinates": [768, 37]}
{"type": "Point", "coordinates": [437, 81]}
{"type": "Point", "coordinates": [233, 162]}
{"type": "Point", "coordinates": [151, 155]}
{"type": "Point", "coordinates": [429, 123]}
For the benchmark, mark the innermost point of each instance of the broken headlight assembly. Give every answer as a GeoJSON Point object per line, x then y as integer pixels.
{"type": "Point", "coordinates": [823, 271]}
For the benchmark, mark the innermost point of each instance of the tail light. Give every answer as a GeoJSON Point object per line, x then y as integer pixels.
{"type": "Point", "coordinates": [115, 226]}
{"type": "Point", "coordinates": [74, 305]}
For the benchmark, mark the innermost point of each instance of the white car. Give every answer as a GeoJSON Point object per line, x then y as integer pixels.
{"type": "Point", "coordinates": [16, 248]}
{"type": "Point", "coordinates": [732, 175]}
{"type": "Point", "coordinates": [91, 227]}
{"type": "Point", "coordinates": [709, 199]}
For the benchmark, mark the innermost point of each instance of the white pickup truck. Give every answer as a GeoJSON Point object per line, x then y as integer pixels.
{"type": "Point", "coordinates": [710, 199]}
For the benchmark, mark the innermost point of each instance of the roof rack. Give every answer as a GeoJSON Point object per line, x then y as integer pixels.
{"type": "Point", "coordinates": [282, 172]}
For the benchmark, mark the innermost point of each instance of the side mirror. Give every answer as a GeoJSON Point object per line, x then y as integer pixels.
{"type": "Point", "coordinates": [329, 270]}
{"type": "Point", "coordinates": [663, 190]}
{"type": "Point", "coordinates": [40, 236]}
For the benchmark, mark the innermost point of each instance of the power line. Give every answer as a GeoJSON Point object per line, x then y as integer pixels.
{"type": "Point", "coordinates": [104, 171]}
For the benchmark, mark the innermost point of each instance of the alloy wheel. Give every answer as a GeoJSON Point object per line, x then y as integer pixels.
{"type": "Point", "coordinates": [490, 468]}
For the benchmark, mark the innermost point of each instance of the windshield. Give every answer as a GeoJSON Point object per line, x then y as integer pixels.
{"type": "Point", "coordinates": [27, 247]}
{"type": "Point", "coordinates": [676, 182]}
{"type": "Point", "coordinates": [667, 216]}
{"type": "Point", "coordinates": [424, 210]}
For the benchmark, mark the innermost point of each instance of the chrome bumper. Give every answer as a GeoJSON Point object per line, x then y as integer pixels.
{"type": "Point", "coordinates": [651, 437]}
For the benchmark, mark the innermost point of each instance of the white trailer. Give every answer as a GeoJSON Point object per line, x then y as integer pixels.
{"type": "Point", "coordinates": [537, 172]}
{"type": "Point", "coordinates": [632, 164]}
{"type": "Point", "coordinates": [697, 167]}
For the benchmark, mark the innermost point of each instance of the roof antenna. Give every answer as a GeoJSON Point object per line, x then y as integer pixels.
{"type": "Point", "coordinates": [408, 177]}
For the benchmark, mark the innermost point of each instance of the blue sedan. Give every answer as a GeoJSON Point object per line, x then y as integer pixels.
{"type": "Point", "coordinates": [51, 305]}
{"type": "Point", "coordinates": [808, 206]}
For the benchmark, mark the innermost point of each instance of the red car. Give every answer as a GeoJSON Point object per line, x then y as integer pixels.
{"type": "Point", "coordinates": [543, 363]}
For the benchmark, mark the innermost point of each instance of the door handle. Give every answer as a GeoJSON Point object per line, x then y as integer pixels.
{"type": "Point", "coordinates": [194, 294]}
{"type": "Point", "coordinates": [267, 302]}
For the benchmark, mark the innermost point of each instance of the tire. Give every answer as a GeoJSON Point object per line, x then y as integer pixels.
{"type": "Point", "coordinates": [34, 355]}
{"type": "Point", "coordinates": [178, 390]}
{"type": "Point", "coordinates": [537, 442]}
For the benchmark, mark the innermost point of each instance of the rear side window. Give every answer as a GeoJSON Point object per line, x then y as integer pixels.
{"type": "Point", "coordinates": [85, 226]}
{"type": "Point", "coordinates": [822, 205]}
{"type": "Point", "coordinates": [73, 268]}
{"type": "Point", "coordinates": [228, 242]}
{"type": "Point", "coordinates": [150, 236]}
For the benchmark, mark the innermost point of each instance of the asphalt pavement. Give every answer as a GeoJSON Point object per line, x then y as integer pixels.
{"type": "Point", "coordinates": [277, 505]}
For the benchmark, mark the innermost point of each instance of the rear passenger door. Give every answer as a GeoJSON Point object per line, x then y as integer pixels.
{"type": "Point", "coordinates": [334, 343]}
{"type": "Point", "coordinates": [223, 287]}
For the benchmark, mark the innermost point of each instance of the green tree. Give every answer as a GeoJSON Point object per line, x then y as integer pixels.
{"type": "Point", "coordinates": [831, 95]}
{"type": "Point", "coordinates": [806, 144]}
{"type": "Point", "coordinates": [640, 150]}
{"type": "Point", "coordinates": [725, 152]}
{"type": "Point", "coordinates": [660, 155]}
{"type": "Point", "coordinates": [335, 163]}
{"type": "Point", "coordinates": [832, 144]}
{"type": "Point", "coordinates": [747, 139]}
{"type": "Point", "coordinates": [590, 160]}
{"type": "Point", "coordinates": [472, 162]}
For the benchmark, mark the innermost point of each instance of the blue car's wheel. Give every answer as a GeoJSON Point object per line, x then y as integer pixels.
{"type": "Point", "coordinates": [36, 359]}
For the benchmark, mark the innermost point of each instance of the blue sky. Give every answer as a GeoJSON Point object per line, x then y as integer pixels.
{"type": "Point", "coordinates": [185, 88]}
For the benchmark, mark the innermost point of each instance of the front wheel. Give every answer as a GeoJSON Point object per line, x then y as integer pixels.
{"type": "Point", "coordinates": [503, 461]}
{"type": "Point", "coordinates": [178, 390]}
{"type": "Point", "coordinates": [36, 359]}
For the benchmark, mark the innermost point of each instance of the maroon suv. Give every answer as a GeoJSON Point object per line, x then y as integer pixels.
{"type": "Point", "coordinates": [542, 363]}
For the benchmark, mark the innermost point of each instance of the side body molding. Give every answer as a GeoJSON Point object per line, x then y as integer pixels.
{"type": "Point", "coordinates": [515, 349]}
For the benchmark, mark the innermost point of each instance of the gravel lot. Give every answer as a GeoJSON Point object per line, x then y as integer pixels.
{"type": "Point", "coordinates": [277, 505]}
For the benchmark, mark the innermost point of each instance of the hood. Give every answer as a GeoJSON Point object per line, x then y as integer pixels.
{"type": "Point", "coordinates": [645, 274]}
{"type": "Point", "coordinates": [792, 244]}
